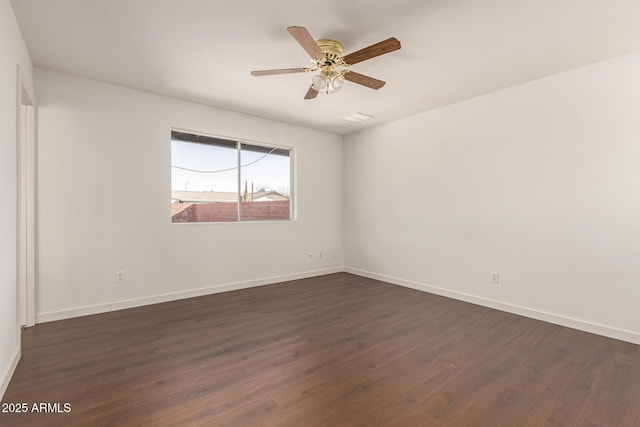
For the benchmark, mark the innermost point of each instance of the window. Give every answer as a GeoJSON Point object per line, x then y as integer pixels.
{"type": "Point", "coordinates": [221, 180]}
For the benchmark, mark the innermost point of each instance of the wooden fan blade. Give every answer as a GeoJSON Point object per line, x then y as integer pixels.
{"type": "Point", "coordinates": [307, 42]}
{"type": "Point", "coordinates": [311, 93]}
{"type": "Point", "coordinates": [363, 80]}
{"type": "Point", "coordinates": [279, 71]}
{"type": "Point", "coordinates": [372, 51]}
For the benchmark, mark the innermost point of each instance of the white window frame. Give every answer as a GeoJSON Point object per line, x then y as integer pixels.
{"type": "Point", "coordinates": [239, 142]}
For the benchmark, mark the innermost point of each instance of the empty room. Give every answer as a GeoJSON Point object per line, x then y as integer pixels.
{"type": "Point", "coordinates": [320, 213]}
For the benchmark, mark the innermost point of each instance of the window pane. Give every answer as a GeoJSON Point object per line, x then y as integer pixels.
{"type": "Point", "coordinates": [204, 179]}
{"type": "Point", "coordinates": [266, 183]}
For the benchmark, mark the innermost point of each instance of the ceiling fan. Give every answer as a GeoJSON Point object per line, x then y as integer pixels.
{"type": "Point", "coordinates": [326, 55]}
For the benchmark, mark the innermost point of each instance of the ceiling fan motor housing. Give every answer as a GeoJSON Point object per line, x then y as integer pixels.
{"type": "Point", "coordinates": [332, 51]}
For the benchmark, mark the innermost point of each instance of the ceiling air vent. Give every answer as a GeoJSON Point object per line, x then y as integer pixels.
{"type": "Point", "coordinates": [357, 117]}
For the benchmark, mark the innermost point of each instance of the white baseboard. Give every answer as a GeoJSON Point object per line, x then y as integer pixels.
{"type": "Point", "coordinates": [172, 296]}
{"type": "Point", "coordinates": [583, 325]}
{"type": "Point", "coordinates": [8, 371]}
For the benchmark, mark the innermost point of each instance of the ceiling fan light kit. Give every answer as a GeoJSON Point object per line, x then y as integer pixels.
{"type": "Point", "coordinates": [328, 59]}
{"type": "Point", "coordinates": [327, 81]}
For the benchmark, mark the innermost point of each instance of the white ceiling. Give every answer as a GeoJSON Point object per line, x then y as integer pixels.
{"type": "Point", "coordinates": [203, 50]}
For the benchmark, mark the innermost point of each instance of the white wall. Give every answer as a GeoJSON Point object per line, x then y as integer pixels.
{"type": "Point", "coordinates": [104, 202]}
{"type": "Point", "coordinates": [539, 182]}
{"type": "Point", "coordinates": [12, 52]}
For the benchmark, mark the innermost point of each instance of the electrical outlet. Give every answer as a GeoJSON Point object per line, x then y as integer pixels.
{"type": "Point", "coordinates": [310, 255]}
{"type": "Point", "coordinates": [495, 278]}
{"type": "Point", "coordinates": [119, 276]}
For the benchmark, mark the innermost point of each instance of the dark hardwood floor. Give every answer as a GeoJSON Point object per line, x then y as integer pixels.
{"type": "Point", "coordinates": [337, 350]}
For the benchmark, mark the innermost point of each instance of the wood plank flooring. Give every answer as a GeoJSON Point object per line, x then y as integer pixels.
{"type": "Point", "coordinates": [336, 350]}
